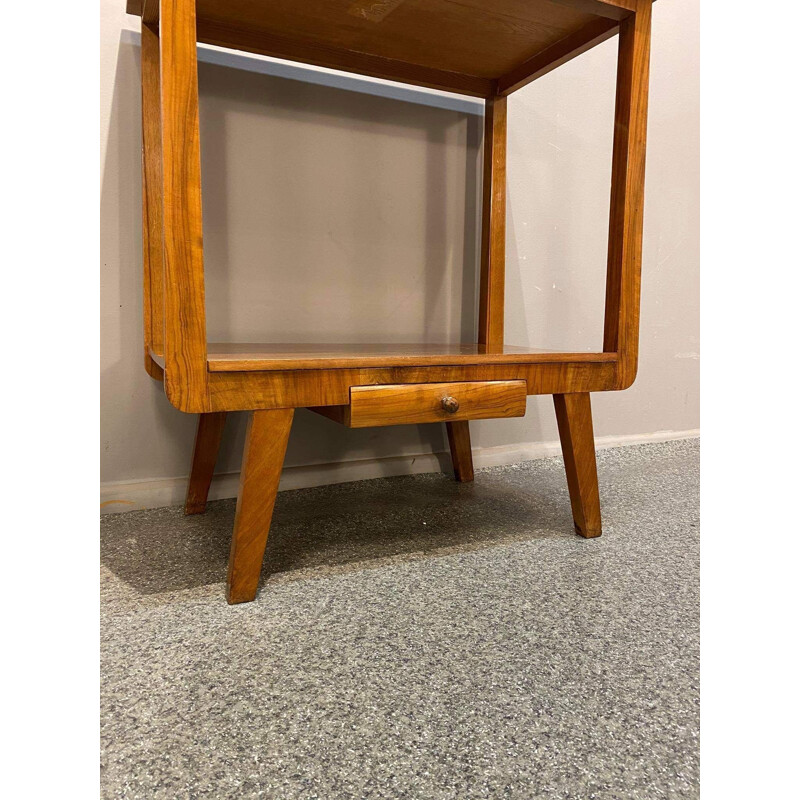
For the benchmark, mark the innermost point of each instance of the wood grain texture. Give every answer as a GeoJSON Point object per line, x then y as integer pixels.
{"type": "Point", "coordinates": [378, 406]}
{"type": "Point", "coordinates": [150, 11]}
{"type": "Point", "coordinates": [204, 458]}
{"type": "Point", "coordinates": [367, 8]}
{"type": "Point", "coordinates": [157, 358]}
{"type": "Point", "coordinates": [262, 463]}
{"type": "Point", "coordinates": [491, 307]}
{"type": "Point", "coordinates": [233, 357]}
{"type": "Point", "coordinates": [460, 451]}
{"type": "Point", "coordinates": [237, 391]}
{"type": "Point", "coordinates": [186, 376]}
{"type": "Point", "coordinates": [463, 46]}
{"type": "Point", "coordinates": [276, 45]}
{"type": "Point", "coordinates": [373, 406]}
{"type": "Point", "coordinates": [623, 281]}
{"type": "Point", "coordinates": [152, 231]}
{"type": "Point", "coordinates": [574, 416]}
{"type": "Point", "coordinates": [480, 38]}
{"type": "Point", "coordinates": [303, 387]}
{"type": "Point", "coordinates": [611, 9]}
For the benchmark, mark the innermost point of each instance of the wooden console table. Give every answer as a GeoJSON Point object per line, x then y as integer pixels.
{"type": "Point", "coordinates": [483, 48]}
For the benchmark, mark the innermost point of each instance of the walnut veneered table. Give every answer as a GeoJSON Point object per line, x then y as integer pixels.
{"type": "Point", "coordinates": [483, 48]}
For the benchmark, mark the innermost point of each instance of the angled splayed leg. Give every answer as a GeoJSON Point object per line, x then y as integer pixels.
{"type": "Point", "coordinates": [460, 450]}
{"type": "Point", "coordinates": [264, 451]}
{"type": "Point", "coordinates": [574, 415]}
{"type": "Point", "coordinates": [206, 448]}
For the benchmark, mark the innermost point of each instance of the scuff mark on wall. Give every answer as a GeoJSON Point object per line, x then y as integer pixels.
{"type": "Point", "coordinates": [107, 503]}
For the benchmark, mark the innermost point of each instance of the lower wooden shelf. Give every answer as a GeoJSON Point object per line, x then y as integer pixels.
{"type": "Point", "coordinates": [251, 376]}
{"type": "Point", "coordinates": [253, 357]}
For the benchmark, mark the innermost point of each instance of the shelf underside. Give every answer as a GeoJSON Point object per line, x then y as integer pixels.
{"type": "Point", "coordinates": [251, 357]}
{"type": "Point", "coordinates": [458, 45]}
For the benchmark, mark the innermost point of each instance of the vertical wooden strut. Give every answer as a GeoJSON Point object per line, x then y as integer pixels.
{"type": "Point", "coordinates": [152, 232]}
{"type": "Point", "coordinates": [493, 227]}
{"type": "Point", "coordinates": [186, 376]}
{"type": "Point", "coordinates": [623, 280]}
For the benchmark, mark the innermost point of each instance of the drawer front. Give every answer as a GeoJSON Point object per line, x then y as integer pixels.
{"type": "Point", "coordinates": [435, 402]}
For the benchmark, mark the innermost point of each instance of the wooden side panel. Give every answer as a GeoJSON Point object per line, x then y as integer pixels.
{"type": "Point", "coordinates": [186, 376]}
{"type": "Point", "coordinates": [152, 231]}
{"type": "Point", "coordinates": [623, 281]}
{"type": "Point", "coordinates": [493, 227]}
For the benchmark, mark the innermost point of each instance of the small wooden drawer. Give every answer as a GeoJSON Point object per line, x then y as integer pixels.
{"type": "Point", "coordinates": [404, 404]}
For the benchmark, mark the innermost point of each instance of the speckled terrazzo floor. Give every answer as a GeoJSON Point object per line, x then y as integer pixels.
{"type": "Point", "coordinates": [413, 638]}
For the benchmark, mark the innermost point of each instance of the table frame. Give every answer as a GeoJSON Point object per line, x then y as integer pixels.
{"type": "Point", "coordinates": [176, 349]}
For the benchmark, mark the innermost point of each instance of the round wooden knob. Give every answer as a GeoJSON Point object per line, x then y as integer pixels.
{"type": "Point", "coordinates": [450, 404]}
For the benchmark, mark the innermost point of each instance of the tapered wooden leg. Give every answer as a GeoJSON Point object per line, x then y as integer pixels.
{"type": "Point", "coordinates": [264, 451]}
{"type": "Point", "coordinates": [574, 415]}
{"type": "Point", "coordinates": [460, 450]}
{"type": "Point", "coordinates": [206, 449]}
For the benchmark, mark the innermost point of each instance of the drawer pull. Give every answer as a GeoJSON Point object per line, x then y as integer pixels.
{"type": "Point", "coordinates": [450, 404]}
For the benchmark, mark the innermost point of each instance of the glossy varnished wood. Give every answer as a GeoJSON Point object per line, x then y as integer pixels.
{"type": "Point", "coordinates": [232, 391]}
{"type": "Point", "coordinates": [264, 451]}
{"type": "Point", "coordinates": [610, 9]}
{"type": "Point", "coordinates": [491, 306]}
{"type": "Point", "coordinates": [232, 357]}
{"type": "Point", "coordinates": [623, 281]}
{"type": "Point", "coordinates": [152, 229]}
{"type": "Point", "coordinates": [460, 450]}
{"type": "Point", "coordinates": [409, 404]}
{"type": "Point", "coordinates": [574, 415]}
{"type": "Point", "coordinates": [464, 46]}
{"type": "Point", "coordinates": [207, 441]}
{"type": "Point", "coordinates": [186, 374]}
{"type": "Point", "coordinates": [305, 51]}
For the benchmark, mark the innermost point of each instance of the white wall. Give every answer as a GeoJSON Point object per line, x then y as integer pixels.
{"type": "Point", "coordinates": [337, 214]}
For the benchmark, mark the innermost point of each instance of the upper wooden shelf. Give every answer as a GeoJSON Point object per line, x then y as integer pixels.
{"type": "Point", "coordinates": [474, 47]}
